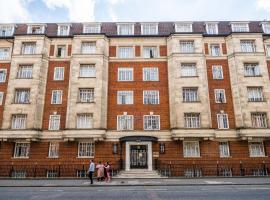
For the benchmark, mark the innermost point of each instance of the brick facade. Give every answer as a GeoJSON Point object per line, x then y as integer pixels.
{"type": "Point", "coordinates": [138, 109]}
{"type": "Point", "coordinates": [60, 109]}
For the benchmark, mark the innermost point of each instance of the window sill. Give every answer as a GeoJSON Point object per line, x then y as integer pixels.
{"type": "Point", "coordinates": [225, 157]}
{"type": "Point", "coordinates": [151, 129]}
{"type": "Point", "coordinates": [92, 102]}
{"type": "Point", "coordinates": [191, 101]}
{"type": "Point", "coordinates": [59, 80]}
{"type": "Point", "coordinates": [263, 101]}
{"type": "Point", "coordinates": [253, 76]}
{"type": "Point", "coordinates": [56, 103]}
{"type": "Point", "coordinates": [86, 77]}
{"type": "Point", "coordinates": [22, 103]}
{"type": "Point", "coordinates": [258, 156]}
{"type": "Point", "coordinates": [54, 130]}
{"type": "Point", "coordinates": [24, 78]}
{"type": "Point", "coordinates": [53, 157]}
{"type": "Point", "coordinates": [192, 156]}
{"type": "Point", "coordinates": [83, 157]}
{"type": "Point", "coordinates": [220, 102]}
{"type": "Point", "coordinates": [20, 158]}
{"type": "Point", "coordinates": [189, 76]}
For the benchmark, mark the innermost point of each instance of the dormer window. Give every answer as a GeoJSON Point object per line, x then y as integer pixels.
{"type": "Point", "coordinates": [35, 29]}
{"type": "Point", "coordinates": [91, 28]}
{"type": "Point", "coordinates": [149, 28]}
{"type": "Point", "coordinates": [183, 27]}
{"type": "Point", "coordinates": [266, 27]}
{"type": "Point", "coordinates": [212, 28]}
{"type": "Point", "coordinates": [63, 30]}
{"type": "Point", "coordinates": [240, 27]}
{"type": "Point", "coordinates": [125, 29]}
{"type": "Point", "coordinates": [6, 30]}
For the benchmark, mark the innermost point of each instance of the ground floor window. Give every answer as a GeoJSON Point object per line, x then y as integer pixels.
{"type": "Point", "coordinates": [54, 150]}
{"type": "Point", "coordinates": [191, 149]}
{"type": "Point", "coordinates": [18, 174]}
{"type": "Point", "coordinates": [81, 173]}
{"type": "Point", "coordinates": [224, 150]}
{"type": "Point", "coordinates": [52, 174]}
{"type": "Point", "coordinates": [192, 173]}
{"type": "Point", "coordinates": [256, 149]}
{"type": "Point", "coordinates": [21, 150]}
{"type": "Point", "coordinates": [86, 149]}
{"type": "Point", "coordinates": [226, 172]}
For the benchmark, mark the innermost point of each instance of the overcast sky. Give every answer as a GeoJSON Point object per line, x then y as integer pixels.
{"type": "Point", "coordinates": [15, 11]}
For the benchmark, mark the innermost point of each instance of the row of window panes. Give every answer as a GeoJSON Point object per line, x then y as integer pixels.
{"type": "Point", "coordinates": [128, 52]}
{"type": "Point", "coordinates": [149, 97]}
{"type": "Point", "coordinates": [85, 149]}
{"type": "Point", "coordinates": [149, 74]}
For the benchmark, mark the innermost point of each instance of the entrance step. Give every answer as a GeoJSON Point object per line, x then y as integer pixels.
{"type": "Point", "coordinates": [138, 173]}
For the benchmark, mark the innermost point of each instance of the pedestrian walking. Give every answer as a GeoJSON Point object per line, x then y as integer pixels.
{"type": "Point", "coordinates": [108, 172]}
{"type": "Point", "coordinates": [91, 170]}
{"type": "Point", "coordinates": [100, 171]}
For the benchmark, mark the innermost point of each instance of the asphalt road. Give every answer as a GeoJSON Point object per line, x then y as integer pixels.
{"type": "Point", "coordinates": [229, 192]}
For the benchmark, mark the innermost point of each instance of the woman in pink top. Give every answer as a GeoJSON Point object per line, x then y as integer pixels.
{"type": "Point", "coordinates": [100, 171]}
{"type": "Point", "coordinates": [108, 171]}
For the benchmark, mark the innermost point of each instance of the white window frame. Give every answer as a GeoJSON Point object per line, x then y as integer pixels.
{"type": "Point", "coordinates": [260, 149]}
{"type": "Point", "coordinates": [86, 95]}
{"type": "Point", "coordinates": [150, 74]}
{"type": "Point", "coordinates": [62, 32]}
{"type": "Point", "coordinates": [150, 97]}
{"type": "Point", "coordinates": [6, 30]}
{"type": "Point", "coordinates": [248, 46]}
{"type": "Point", "coordinates": [189, 48]}
{"type": "Point", "coordinates": [25, 146]}
{"type": "Point", "coordinates": [1, 98]}
{"type": "Point", "coordinates": [125, 94]}
{"type": "Point", "coordinates": [88, 72]}
{"type": "Point", "coordinates": [127, 76]}
{"type": "Point", "coordinates": [56, 97]}
{"type": "Point", "coordinates": [184, 27]}
{"type": "Point", "coordinates": [266, 27]}
{"type": "Point", "coordinates": [214, 50]}
{"type": "Point", "coordinates": [85, 124]}
{"type": "Point", "coordinates": [211, 31]}
{"type": "Point", "coordinates": [188, 69]}
{"type": "Point", "coordinates": [192, 120]}
{"type": "Point", "coordinates": [259, 120]}
{"type": "Point", "coordinates": [252, 69]}
{"type": "Point", "coordinates": [224, 149]}
{"type": "Point", "coordinates": [53, 150]}
{"type": "Point", "coordinates": [221, 126]}
{"type": "Point", "coordinates": [148, 126]}
{"type": "Point", "coordinates": [91, 28]}
{"type": "Point", "coordinates": [126, 124]}
{"type": "Point", "coordinates": [147, 52]}
{"type": "Point", "coordinates": [28, 48]}
{"type": "Point", "coordinates": [89, 147]}
{"type": "Point", "coordinates": [220, 69]}
{"type": "Point", "coordinates": [63, 50]}
{"type": "Point", "coordinates": [22, 95]}
{"type": "Point", "coordinates": [190, 94]}
{"type": "Point", "coordinates": [255, 94]}
{"type": "Point", "coordinates": [25, 72]}
{"type": "Point", "coordinates": [3, 75]}
{"type": "Point", "coordinates": [59, 73]}
{"type": "Point", "coordinates": [126, 52]}
{"type": "Point", "coordinates": [40, 27]}
{"type": "Point", "coordinates": [21, 123]}
{"type": "Point", "coordinates": [240, 29]}
{"type": "Point", "coordinates": [4, 53]}
{"type": "Point", "coordinates": [54, 122]}
{"type": "Point", "coordinates": [195, 153]}
{"type": "Point", "coordinates": [223, 96]}
{"type": "Point", "coordinates": [149, 28]}
{"type": "Point", "coordinates": [129, 32]}
{"type": "Point", "coordinates": [88, 47]}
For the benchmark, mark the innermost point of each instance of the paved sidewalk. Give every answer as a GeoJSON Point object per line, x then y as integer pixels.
{"type": "Point", "coordinates": [133, 182]}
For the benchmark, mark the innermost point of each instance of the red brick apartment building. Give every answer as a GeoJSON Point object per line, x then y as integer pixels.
{"type": "Point", "coordinates": [180, 98]}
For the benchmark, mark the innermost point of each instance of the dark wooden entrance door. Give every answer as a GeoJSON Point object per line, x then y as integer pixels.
{"type": "Point", "coordinates": [138, 157]}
